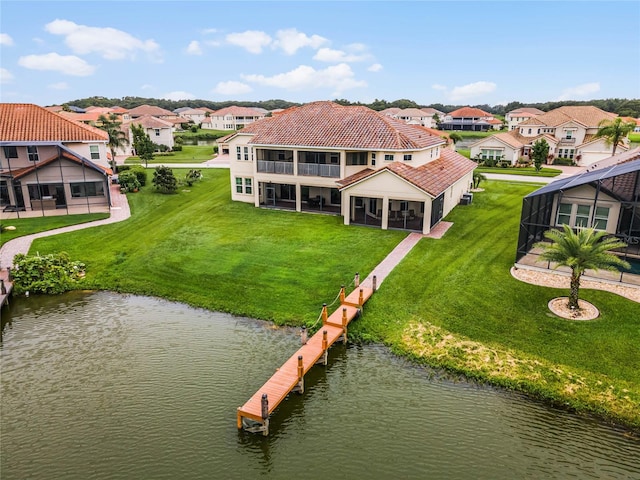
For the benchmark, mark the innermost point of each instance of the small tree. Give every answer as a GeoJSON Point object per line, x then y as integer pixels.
{"type": "Point", "coordinates": [539, 153]}
{"type": "Point", "coordinates": [49, 274]}
{"type": "Point", "coordinates": [455, 137]}
{"type": "Point", "coordinates": [586, 249]}
{"type": "Point", "coordinates": [477, 178]}
{"type": "Point", "coordinates": [192, 177]}
{"type": "Point", "coordinates": [613, 131]}
{"type": "Point", "coordinates": [142, 144]}
{"type": "Point", "coordinates": [117, 137]}
{"type": "Point", "coordinates": [164, 180]}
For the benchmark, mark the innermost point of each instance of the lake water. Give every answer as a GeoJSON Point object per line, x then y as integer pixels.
{"type": "Point", "coordinates": [108, 386]}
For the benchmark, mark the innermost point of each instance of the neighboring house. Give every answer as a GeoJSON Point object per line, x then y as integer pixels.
{"type": "Point", "coordinates": [88, 118]}
{"type": "Point", "coordinates": [231, 118]}
{"type": "Point", "coordinates": [606, 199]}
{"type": "Point", "coordinates": [415, 116]}
{"type": "Point", "coordinates": [151, 110]}
{"type": "Point", "coordinates": [196, 115]}
{"type": "Point", "coordinates": [50, 165]}
{"type": "Point", "coordinates": [514, 117]}
{"type": "Point", "coordinates": [469, 118]}
{"type": "Point", "coordinates": [351, 161]}
{"type": "Point", "coordinates": [159, 131]}
{"type": "Point", "coordinates": [570, 132]}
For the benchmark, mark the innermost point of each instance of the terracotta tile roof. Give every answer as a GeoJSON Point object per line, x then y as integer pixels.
{"type": "Point", "coordinates": [525, 111]}
{"type": "Point", "coordinates": [91, 116]}
{"type": "Point", "coordinates": [589, 116]}
{"type": "Point", "coordinates": [21, 172]}
{"type": "Point", "coordinates": [412, 112]}
{"type": "Point", "coordinates": [515, 140]}
{"type": "Point", "coordinates": [193, 111]}
{"type": "Point", "coordinates": [327, 124]}
{"type": "Point", "coordinates": [390, 111]}
{"type": "Point", "coordinates": [469, 112]}
{"type": "Point", "coordinates": [148, 121]}
{"type": "Point", "coordinates": [24, 122]}
{"type": "Point", "coordinates": [237, 112]}
{"type": "Point", "coordinates": [495, 121]}
{"type": "Point", "coordinates": [150, 110]}
{"type": "Point", "coordinates": [433, 178]}
{"type": "Point", "coordinates": [431, 111]}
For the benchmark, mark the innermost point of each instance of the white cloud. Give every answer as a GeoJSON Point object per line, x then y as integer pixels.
{"type": "Point", "coordinates": [5, 76]}
{"type": "Point", "coordinates": [339, 77]}
{"type": "Point", "coordinates": [38, 40]}
{"type": "Point", "coordinates": [376, 67]}
{"type": "Point", "coordinates": [208, 31]}
{"type": "Point", "coordinates": [252, 40]}
{"type": "Point", "coordinates": [59, 86]}
{"type": "Point", "coordinates": [291, 40]}
{"type": "Point", "coordinates": [194, 48]}
{"type": "Point", "coordinates": [578, 91]}
{"type": "Point", "coordinates": [5, 39]}
{"type": "Point", "coordinates": [232, 88]}
{"type": "Point", "coordinates": [437, 86]}
{"type": "Point", "coordinates": [67, 64]}
{"type": "Point", "coordinates": [178, 95]}
{"type": "Point", "coordinates": [330, 55]}
{"type": "Point", "coordinates": [111, 43]}
{"type": "Point", "coordinates": [471, 90]}
{"type": "Point", "coordinates": [147, 86]}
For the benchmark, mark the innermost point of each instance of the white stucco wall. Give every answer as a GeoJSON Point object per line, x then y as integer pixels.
{"type": "Point", "coordinates": [585, 195]}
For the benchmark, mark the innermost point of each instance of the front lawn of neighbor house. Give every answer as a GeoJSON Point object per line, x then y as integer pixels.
{"type": "Point", "coordinates": [451, 302]}
{"type": "Point", "coordinates": [528, 171]}
{"type": "Point", "coordinates": [189, 154]}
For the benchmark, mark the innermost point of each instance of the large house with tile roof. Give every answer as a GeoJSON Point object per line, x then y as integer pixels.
{"type": "Point", "coordinates": [351, 161]}
{"type": "Point", "coordinates": [151, 110]}
{"type": "Point", "coordinates": [232, 118]}
{"type": "Point", "coordinates": [415, 116]}
{"type": "Point", "coordinates": [160, 131]}
{"type": "Point", "coordinates": [570, 132]}
{"type": "Point", "coordinates": [49, 164]}
{"type": "Point", "coordinates": [514, 117]}
{"type": "Point", "coordinates": [469, 118]}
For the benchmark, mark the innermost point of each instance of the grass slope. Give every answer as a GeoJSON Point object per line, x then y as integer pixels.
{"type": "Point", "coordinates": [27, 226]}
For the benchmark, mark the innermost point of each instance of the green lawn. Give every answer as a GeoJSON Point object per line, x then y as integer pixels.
{"type": "Point", "coordinates": [466, 134]}
{"type": "Point", "coordinates": [465, 152]}
{"type": "Point", "coordinates": [528, 171]}
{"type": "Point", "coordinates": [27, 226]}
{"type": "Point", "coordinates": [203, 134]}
{"type": "Point", "coordinates": [189, 154]}
{"type": "Point", "coordinates": [634, 137]}
{"type": "Point", "coordinates": [200, 248]}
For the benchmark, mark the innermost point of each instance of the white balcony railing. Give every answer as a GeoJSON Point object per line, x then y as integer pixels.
{"type": "Point", "coordinates": [282, 168]}
{"type": "Point", "coordinates": [319, 170]}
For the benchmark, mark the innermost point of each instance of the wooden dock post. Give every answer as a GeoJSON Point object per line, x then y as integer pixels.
{"type": "Point", "coordinates": [9, 274]}
{"type": "Point", "coordinates": [299, 388]}
{"type": "Point", "coordinates": [375, 283]}
{"type": "Point", "coordinates": [303, 335]}
{"type": "Point", "coordinates": [345, 320]}
{"type": "Point", "coordinates": [3, 289]}
{"type": "Point", "coordinates": [342, 294]}
{"type": "Point", "coordinates": [361, 298]}
{"type": "Point", "coordinates": [356, 280]}
{"type": "Point", "coordinates": [325, 348]}
{"type": "Point", "coordinates": [324, 313]}
{"type": "Point", "coordinates": [265, 414]}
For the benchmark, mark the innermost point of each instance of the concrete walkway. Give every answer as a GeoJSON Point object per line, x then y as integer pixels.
{"type": "Point", "coordinates": [119, 211]}
{"type": "Point", "coordinates": [384, 268]}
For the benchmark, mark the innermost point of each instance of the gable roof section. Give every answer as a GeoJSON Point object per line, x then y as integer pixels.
{"type": "Point", "coordinates": [148, 121]}
{"type": "Point", "coordinates": [237, 111]}
{"type": "Point", "coordinates": [528, 111]}
{"type": "Point", "coordinates": [329, 125]}
{"type": "Point", "coordinates": [515, 140]}
{"type": "Point", "coordinates": [432, 178]}
{"type": "Point", "coordinates": [588, 115]}
{"type": "Point", "coordinates": [26, 122]}
{"type": "Point", "coordinates": [150, 110]}
{"type": "Point", "coordinates": [66, 154]}
{"type": "Point", "coordinates": [469, 112]}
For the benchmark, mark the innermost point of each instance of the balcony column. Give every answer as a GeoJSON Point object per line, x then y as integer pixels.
{"type": "Point", "coordinates": [385, 213]}
{"type": "Point", "coordinates": [298, 197]}
{"type": "Point", "coordinates": [343, 164]}
{"type": "Point", "coordinates": [346, 207]}
{"type": "Point", "coordinates": [426, 219]}
{"type": "Point", "coordinates": [295, 162]}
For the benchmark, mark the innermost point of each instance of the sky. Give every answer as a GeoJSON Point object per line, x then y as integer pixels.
{"type": "Point", "coordinates": [454, 52]}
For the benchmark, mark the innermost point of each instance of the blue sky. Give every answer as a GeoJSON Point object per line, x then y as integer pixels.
{"type": "Point", "coordinates": [427, 51]}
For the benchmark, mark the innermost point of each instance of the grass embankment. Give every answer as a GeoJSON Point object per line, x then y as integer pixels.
{"type": "Point", "coordinates": [189, 154]}
{"type": "Point", "coordinates": [203, 134]}
{"type": "Point", "coordinates": [27, 226]}
{"type": "Point", "coordinates": [528, 171]}
{"type": "Point", "coordinates": [200, 248]}
{"type": "Point", "coordinates": [499, 329]}
{"type": "Point", "coordinates": [634, 137]}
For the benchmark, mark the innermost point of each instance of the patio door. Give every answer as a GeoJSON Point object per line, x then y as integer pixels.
{"type": "Point", "coordinates": [270, 192]}
{"type": "Point", "coordinates": [437, 208]}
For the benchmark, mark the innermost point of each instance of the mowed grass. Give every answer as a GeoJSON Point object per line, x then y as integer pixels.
{"type": "Point", "coordinates": [27, 226]}
{"type": "Point", "coordinates": [462, 283]}
{"type": "Point", "coordinates": [189, 154]}
{"type": "Point", "coordinates": [528, 171]}
{"type": "Point", "coordinates": [200, 248]}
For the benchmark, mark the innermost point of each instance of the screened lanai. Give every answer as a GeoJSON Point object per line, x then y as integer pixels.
{"type": "Point", "coordinates": [607, 199]}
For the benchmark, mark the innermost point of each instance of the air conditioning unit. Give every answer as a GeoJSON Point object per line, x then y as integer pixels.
{"type": "Point", "coordinates": [466, 199]}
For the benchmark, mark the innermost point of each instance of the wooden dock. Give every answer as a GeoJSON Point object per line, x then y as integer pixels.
{"type": "Point", "coordinates": [6, 286]}
{"type": "Point", "coordinates": [254, 415]}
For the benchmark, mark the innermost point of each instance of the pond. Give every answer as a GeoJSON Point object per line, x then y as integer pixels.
{"type": "Point", "coordinates": [107, 386]}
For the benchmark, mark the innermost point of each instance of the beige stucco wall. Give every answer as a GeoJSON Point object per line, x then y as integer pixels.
{"type": "Point", "coordinates": [594, 152]}
{"type": "Point", "coordinates": [585, 195]}
{"type": "Point", "coordinates": [453, 194]}
{"type": "Point", "coordinates": [511, 154]}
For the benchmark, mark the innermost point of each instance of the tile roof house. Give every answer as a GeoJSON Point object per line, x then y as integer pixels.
{"type": "Point", "coordinates": [514, 117]}
{"type": "Point", "coordinates": [49, 164]}
{"type": "Point", "coordinates": [415, 116]}
{"type": "Point", "coordinates": [152, 110]}
{"type": "Point", "coordinates": [196, 115]}
{"type": "Point", "coordinates": [469, 118]}
{"type": "Point", "coordinates": [160, 131]}
{"type": "Point", "coordinates": [351, 161]}
{"type": "Point", "coordinates": [570, 132]}
{"type": "Point", "coordinates": [232, 118]}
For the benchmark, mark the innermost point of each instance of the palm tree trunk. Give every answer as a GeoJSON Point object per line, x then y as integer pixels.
{"type": "Point", "coordinates": [575, 287]}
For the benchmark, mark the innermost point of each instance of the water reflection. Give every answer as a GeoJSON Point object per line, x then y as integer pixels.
{"type": "Point", "coordinates": [109, 386]}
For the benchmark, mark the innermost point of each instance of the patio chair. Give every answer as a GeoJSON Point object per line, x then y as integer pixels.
{"type": "Point", "coordinates": [412, 214]}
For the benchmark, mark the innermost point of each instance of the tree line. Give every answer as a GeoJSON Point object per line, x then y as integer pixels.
{"type": "Point", "coordinates": [621, 106]}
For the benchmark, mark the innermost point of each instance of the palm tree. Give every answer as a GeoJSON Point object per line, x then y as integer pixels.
{"type": "Point", "coordinates": [585, 249]}
{"type": "Point", "coordinates": [477, 178]}
{"type": "Point", "coordinates": [613, 131]}
{"type": "Point", "coordinates": [117, 138]}
{"type": "Point", "coordinates": [455, 137]}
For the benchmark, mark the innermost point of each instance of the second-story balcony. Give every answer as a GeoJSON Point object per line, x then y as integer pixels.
{"type": "Point", "coordinates": [319, 170]}
{"type": "Point", "coordinates": [568, 141]}
{"type": "Point", "coordinates": [282, 168]}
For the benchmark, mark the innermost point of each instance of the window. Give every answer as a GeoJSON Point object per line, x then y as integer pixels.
{"type": "Point", "coordinates": [569, 134]}
{"type": "Point", "coordinates": [388, 157]}
{"type": "Point", "coordinates": [356, 158]}
{"type": "Point", "coordinates": [373, 159]}
{"type": "Point", "coordinates": [564, 214]}
{"type": "Point", "coordinates": [600, 218]}
{"type": "Point", "coordinates": [582, 216]}
{"type": "Point", "coordinates": [407, 158]}
{"type": "Point", "coordinates": [529, 130]}
{"type": "Point", "coordinates": [491, 154]}
{"type": "Point", "coordinates": [244, 185]}
{"type": "Point", "coordinates": [95, 152]}
{"type": "Point", "coordinates": [32, 153]}
{"type": "Point", "coordinates": [246, 153]}
{"type": "Point", "coordinates": [334, 158]}
{"type": "Point", "coordinates": [238, 153]}
{"type": "Point", "coordinates": [157, 132]}
{"type": "Point", "coordinates": [88, 189]}
{"type": "Point", "coordinates": [10, 152]}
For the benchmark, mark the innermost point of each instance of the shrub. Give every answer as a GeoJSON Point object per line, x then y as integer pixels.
{"type": "Point", "coordinates": [164, 180]}
{"type": "Point", "coordinates": [193, 176]}
{"type": "Point", "coordinates": [129, 180]}
{"type": "Point", "coordinates": [215, 149]}
{"type": "Point", "coordinates": [141, 174]}
{"type": "Point", "coordinates": [122, 168]}
{"type": "Point", "coordinates": [564, 161]}
{"type": "Point", "coordinates": [177, 148]}
{"type": "Point", "coordinates": [194, 129]}
{"type": "Point", "coordinates": [49, 274]}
